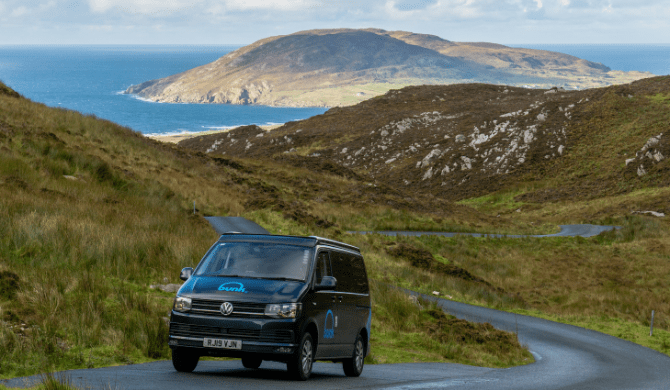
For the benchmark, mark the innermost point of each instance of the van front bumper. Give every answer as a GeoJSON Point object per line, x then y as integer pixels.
{"type": "Point", "coordinates": [259, 336]}
{"type": "Point", "coordinates": [248, 347]}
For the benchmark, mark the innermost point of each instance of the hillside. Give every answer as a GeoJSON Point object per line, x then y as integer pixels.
{"type": "Point", "coordinates": [93, 214]}
{"type": "Point", "coordinates": [542, 157]}
{"type": "Point", "coordinates": [462, 141]}
{"type": "Point", "coordinates": [343, 66]}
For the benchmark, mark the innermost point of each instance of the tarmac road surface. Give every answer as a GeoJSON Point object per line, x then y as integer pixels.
{"type": "Point", "coordinates": [567, 357]}
{"type": "Point", "coordinates": [566, 231]}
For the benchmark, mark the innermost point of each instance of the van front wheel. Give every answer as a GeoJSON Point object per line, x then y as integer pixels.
{"type": "Point", "coordinates": [354, 366]}
{"type": "Point", "coordinates": [184, 360]}
{"type": "Point", "coordinates": [300, 365]}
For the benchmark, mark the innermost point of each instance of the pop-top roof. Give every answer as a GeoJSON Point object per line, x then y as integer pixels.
{"type": "Point", "coordinates": [241, 229]}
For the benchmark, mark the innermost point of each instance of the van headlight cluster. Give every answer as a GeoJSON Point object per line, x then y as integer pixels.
{"type": "Point", "coordinates": [283, 310]}
{"type": "Point", "coordinates": [182, 304]}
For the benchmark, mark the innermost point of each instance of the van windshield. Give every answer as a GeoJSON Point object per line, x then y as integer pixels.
{"type": "Point", "coordinates": [256, 260]}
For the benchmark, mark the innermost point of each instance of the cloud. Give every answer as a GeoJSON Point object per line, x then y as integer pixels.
{"type": "Point", "coordinates": [446, 10]}
{"type": "Point", "coordinates": [19, 11]}
{"type": "Point", "coordinates": [281, 5]}
{"type": "Point", "coordinates": [145, 7]}
{"type": "Point", "coordinates": [412, 5]}
{"type": "Point", "coordinates": [156, 7]}
{"type": "Point", "coordinates": [240, 21]}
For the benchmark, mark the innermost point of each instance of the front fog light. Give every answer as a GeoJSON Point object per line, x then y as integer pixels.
{"type": "Point", "coordinates": [182, 304]}
{"type": "Point", "coordinates": [283, 310]}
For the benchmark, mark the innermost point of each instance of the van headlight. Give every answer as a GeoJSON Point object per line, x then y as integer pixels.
{"type": "Point", "coordinates": [283, 310]}
{"type": "Point", "coordinates": [182, 304]}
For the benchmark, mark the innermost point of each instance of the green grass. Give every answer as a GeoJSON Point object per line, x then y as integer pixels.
{"type": "Point", "coordinates": [77, 255]}
{"type": "Point", "coordinates": [93, 213]}
{"type": "Point", "coordinates": [49, 381]}
{"type": "Point", "coordinates": [400, 327]}
{"type": "Point", "coordinates": [660, 98]}
{"type": "Point", "coordinates": [609, 283]}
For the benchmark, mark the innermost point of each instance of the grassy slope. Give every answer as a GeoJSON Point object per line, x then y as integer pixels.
{"type": "Point", "coordinates": [92, 213]}
{"type": "Point", "coordinates": [139, 205]}
{"type": "Point", "coordinates": [610, 283]}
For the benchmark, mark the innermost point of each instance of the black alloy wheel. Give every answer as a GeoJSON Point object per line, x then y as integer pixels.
{"type": "Point", "coordinates": [300, 365]}
{"type": "Point", "coordinates": [251, 362]}
{"type": "Point", "coordinates": [354, 366]}
{"type": "Point", "coordinates": [184, 360]}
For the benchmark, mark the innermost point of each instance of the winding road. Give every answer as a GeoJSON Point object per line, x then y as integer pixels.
{"type": "Point", "coordinates": [567, 357]}
{"type": "Point", "coordinates": [566, 231]}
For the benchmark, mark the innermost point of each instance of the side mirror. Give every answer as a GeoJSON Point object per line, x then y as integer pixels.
{"type": "Point", "coordinates": [186, 273]}
{"type": "Point", "coordinates": [327, 283]}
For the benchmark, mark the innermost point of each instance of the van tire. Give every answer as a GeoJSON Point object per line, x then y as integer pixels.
{"type": "Point", "coordinates": [300, 365]}
{"type": "Point", "coordinates": [184, 360]}
{"type": "Point", "coordinates": [251, 362]}
{"type": "Point", "coordinates": [354, 365]}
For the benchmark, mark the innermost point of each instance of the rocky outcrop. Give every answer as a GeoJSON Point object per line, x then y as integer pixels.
{"type": "Point", "coordinates": [464, 140]}
{"type": "Point", "coordinates": [655, 150]}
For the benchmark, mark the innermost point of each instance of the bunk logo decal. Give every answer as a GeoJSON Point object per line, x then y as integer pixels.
{"type": "Point", "coordinates": [233, 287]}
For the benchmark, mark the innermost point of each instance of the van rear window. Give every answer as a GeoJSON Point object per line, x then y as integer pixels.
{"type": "Point", "coordinates": [350, 273]}
{"type": "Point", "coordinates": [256, 260]}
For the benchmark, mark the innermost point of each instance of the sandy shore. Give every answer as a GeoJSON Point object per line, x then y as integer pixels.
{"type": "Point", "coordinates": [175, 138]}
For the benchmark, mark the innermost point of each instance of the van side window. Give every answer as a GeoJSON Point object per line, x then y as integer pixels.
{"type": "Point", "coordinates": [349, 270]}
{"type": "Point", "coordinates": [322, 267]}
{"type": "Point", "coordinates": [360, 277]}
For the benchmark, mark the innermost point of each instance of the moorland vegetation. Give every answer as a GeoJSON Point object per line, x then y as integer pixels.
{"type": "Point", "coordinates": [93, 213]}
{"type": "Point", "coordinates": [525, 161]}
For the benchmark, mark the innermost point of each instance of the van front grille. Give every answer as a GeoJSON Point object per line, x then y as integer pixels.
{"type": "Point", "coordinates": [200, 331]}
{"type": "Point", "coordinates": [240, 309]}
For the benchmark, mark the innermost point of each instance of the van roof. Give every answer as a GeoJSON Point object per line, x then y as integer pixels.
{"type": "Point", "coordinates": [310, 241]}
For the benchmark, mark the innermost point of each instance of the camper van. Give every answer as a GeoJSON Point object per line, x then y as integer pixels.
{"type": "Point", "coordinates": [278, 298]}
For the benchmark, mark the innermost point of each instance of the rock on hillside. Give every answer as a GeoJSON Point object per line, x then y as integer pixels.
{"type": "Point", "coordinates": [319, 68]}
{"type": "Point", "coordinates": [454, 141]}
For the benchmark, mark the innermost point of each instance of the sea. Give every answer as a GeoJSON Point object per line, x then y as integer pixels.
{"type": "Point", "coordinates": [91, 79]}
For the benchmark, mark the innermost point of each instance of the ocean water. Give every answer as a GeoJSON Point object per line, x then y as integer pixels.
{"type": "Point", "coordinates": [90, 79]}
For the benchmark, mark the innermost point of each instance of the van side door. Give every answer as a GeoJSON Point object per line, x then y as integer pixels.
{"type": "Point", "coordinates": [321, 306]}
{"type": "Point", "coordinates": [347, 324]}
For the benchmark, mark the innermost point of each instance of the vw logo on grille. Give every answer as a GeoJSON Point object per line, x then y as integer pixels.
{"type": "Point", "coordinates": [226, 308]}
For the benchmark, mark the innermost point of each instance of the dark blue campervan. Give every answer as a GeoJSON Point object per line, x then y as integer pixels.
{"type": "Point", "coordinates": [280, 298]}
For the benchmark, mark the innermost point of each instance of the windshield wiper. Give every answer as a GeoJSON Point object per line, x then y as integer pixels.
{"type": "Point", "coordinates": [240, 276]}
{"type": "Point", "coordinates": [262, 277]}
{"type": "Point", "coordinates": [285, 279]}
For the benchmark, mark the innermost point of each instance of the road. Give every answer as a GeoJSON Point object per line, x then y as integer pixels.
{"type": "Point", "coordinates": [566, 231]}
{"type": "Point", "coordinates": [567, 357]}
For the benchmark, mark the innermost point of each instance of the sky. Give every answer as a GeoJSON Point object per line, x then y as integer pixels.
{"type": "Point", "coordinates": [245, 21]}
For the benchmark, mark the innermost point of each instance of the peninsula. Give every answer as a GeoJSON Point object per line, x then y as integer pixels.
{"type": "Point", "coordinates": [341, 67]}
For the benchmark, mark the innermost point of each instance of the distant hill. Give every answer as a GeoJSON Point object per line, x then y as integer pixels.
{"type": "Point", "coordinates": [345, 66]}
{"type": "Point", "coordinates": [467, 140]}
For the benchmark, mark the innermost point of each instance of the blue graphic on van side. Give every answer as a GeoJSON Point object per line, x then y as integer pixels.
{"type": "Point", "coordinates": [233, 287]}
{"type": "Point", "coordinates": [329, 333]}
{"type": "Point", "coordinates": [368, 327]}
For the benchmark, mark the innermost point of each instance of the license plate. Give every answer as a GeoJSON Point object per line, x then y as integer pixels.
{"type": "Point", "coordinates": [222, 343]}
